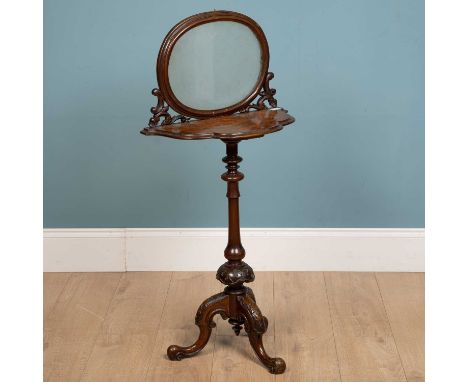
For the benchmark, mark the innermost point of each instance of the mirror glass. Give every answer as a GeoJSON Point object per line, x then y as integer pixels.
{"type": "Point", "coordinates": [215, 65]}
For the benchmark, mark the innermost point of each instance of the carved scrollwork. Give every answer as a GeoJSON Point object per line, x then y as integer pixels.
{"type": "Point", "coordinates": [267, 94]}
{"type": "Point", "coordinates": [235, 273]}
{"type": "Point", "coordinates": [211, 304]}
{"type": "Point", "coordinates": [161, 114]}
{"type": "Point", "coordinates": [249, 292]}
{"type": "Point", "coordinates": [254, 320]}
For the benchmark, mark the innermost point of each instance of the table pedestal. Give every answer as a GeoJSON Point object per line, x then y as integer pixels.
{"type": "Point", "coordinates": [237, 302]}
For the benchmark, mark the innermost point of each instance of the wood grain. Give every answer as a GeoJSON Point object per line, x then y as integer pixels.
{"type": "Point", "coordinates": [238, 126]}
{"type": "Point", "coordinates": [403, 297]}
{"type": "Point", "coordinates": [303, 329]}
{"type": "Point", "coordinates": [365, 345]}
{"type": "Point", "coordinates": [186, 292]}
{"type": "Point", "coordinates": [235, 361]}
{"type": "Point", "coordinates": [104, 326]}
{"type": "Point", "coordinates": [72, 326]}
{"type": "Point", "coordinates": [53, 284]}
{"type": "Point", "coordinates": [127, 337]}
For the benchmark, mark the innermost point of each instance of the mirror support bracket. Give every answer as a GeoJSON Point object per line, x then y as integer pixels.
{"type": "Point", "coordinates": [161, 115]}
{"type": "Point", "coordinates": [267, 94]}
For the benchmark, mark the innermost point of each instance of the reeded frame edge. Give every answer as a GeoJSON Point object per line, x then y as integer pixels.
{"type": "Point", "coordinates": [162, 63]}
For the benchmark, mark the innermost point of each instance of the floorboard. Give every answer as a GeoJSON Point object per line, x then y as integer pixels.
{"type": "Point", "coordinates": [53, 284]}
{"type": "Point", "coordinates": [186, 292]}
{"type": "Point", "coordinates": [72, 326]}
{"type": "Point", "coordinates": [303, 328]}
{"type": "Point", "coordinates": [332, 326]}
{"type": "Point", "coordinates": [127, 337]}
{"type": "Point", "coordinates": [403, 297]}
{"type": "Point", "coordinates": [364, 341]}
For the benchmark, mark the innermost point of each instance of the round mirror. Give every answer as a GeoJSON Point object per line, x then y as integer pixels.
{"type": "Point", "coordinates": [212, 63]}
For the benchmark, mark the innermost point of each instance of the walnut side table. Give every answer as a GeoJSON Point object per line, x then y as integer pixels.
{"type": "Point", "coordinates": [223, 53]}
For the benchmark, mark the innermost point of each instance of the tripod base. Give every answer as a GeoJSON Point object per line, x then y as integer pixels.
{"type": "Point", "coordinates": [239, 306]}
{"type": "Point", "coordinates": [237, 302]}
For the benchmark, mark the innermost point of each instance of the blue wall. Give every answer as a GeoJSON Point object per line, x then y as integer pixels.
{"type": "Point", "coordinates": [351, 72]}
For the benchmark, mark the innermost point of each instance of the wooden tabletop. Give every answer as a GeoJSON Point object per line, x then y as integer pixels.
{"type": "Point", "coordinates": [232, 127]}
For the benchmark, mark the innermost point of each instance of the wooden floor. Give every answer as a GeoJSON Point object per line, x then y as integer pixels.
{"type": "Point", "coordinates": [338, 326]}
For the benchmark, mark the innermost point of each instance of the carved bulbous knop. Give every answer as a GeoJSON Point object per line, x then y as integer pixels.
{"type": "Point", "coordinates": [235, 273]}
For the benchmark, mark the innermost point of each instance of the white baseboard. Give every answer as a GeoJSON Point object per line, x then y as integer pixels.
{"type": "Point", "coordinates": [201, 249]}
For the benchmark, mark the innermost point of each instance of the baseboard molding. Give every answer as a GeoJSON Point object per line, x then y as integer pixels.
{"type": "Point", "coordinates": [201, 249]}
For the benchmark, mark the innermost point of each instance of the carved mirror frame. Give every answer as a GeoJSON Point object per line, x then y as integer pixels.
{"type": "Point", "coordinates": [165, 95]}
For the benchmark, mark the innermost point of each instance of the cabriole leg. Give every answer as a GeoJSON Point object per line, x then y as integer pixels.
{"type": "Point", "coordinates": [256, 325]}
{"type": "Point", "coordinates": [217, 304]}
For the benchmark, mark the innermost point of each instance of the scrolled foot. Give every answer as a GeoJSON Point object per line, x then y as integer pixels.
{"type": "Point", "coordinates": [276, 366]}
{"type": "Point", "coordinates": [175, 353]}
{"type": "Point", "coordinates": [256, 325]}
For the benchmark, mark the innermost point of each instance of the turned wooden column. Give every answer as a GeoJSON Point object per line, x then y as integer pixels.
{"type": "Point", "coordinates": [236, 303]}
{"type": "Point", "coordinates": [234, 272]}
{"type": "Point", "coordinates": [234, 250]}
